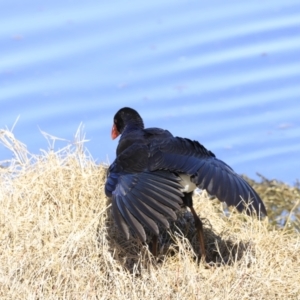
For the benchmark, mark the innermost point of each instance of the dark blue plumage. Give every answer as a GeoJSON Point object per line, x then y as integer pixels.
{"type": "Point", "coordinates": [146, 182]}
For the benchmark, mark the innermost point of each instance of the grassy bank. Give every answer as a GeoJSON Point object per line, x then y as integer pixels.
{"type": "Point", "coordinates": [58, 239]}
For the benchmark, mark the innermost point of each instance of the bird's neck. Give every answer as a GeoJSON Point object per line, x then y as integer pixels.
{"type": "Point", "coordinates": [133, 125]}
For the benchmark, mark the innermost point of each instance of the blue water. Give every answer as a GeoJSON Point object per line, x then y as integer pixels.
{"type": "Point", "coordinates": [226, 73]}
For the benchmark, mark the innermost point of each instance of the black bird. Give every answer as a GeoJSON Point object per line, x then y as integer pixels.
{"type": "Point", "coordinates": [155, 173]}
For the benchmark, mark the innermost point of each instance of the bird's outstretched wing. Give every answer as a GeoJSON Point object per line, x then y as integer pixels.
{"type": "Point", "coordinates": [140, 197]}
{"type": "Point", "coordinates": [207, 172]}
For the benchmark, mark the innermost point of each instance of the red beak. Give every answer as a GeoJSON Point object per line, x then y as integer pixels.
{"type": "Point", "coordinates": [114, 132]}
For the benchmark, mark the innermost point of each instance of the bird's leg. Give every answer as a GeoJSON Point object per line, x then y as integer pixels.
{"type": "Point", "coordinates": [199, 228]}
{"type": "Point", "coordinates": [154, 245]}
{"type": "Point", "coordinates": [188, 201]}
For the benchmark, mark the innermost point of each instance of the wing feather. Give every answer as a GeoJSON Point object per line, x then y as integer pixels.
{"type": "Point", "coordinates": [144, 198]}
{"type": "Point", "coordinates": [207, 172]}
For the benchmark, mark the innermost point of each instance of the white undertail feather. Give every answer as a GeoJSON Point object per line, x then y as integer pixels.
{"type": "Point", "coordinates": [187, 185]}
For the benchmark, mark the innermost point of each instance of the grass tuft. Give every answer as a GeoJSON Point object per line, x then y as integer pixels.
{"type": "Point", "coordinates": [58, 239]}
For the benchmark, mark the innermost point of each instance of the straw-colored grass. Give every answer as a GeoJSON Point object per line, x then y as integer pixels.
{"type": "Point", "coordinates": [58, 241]}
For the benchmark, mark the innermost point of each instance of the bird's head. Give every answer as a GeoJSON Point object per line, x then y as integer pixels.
{"type": "Point", "coordinates": [126, 116]}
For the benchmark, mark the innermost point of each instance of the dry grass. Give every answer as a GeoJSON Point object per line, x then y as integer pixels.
{"type": "Point", "coordinates": [58, 241]}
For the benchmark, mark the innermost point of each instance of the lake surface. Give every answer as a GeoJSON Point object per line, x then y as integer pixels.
{"type": "Point", "coordinates": [225, 73]}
